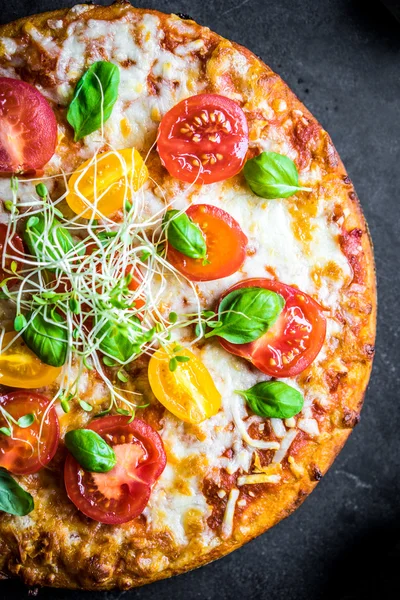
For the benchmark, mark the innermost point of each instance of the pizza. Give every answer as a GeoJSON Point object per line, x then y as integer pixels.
{"type": "Point", "coordinates": [187, 298]}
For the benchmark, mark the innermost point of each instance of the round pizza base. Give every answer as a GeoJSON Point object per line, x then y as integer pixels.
{"type": "Point", "coordinates": [41, 560]}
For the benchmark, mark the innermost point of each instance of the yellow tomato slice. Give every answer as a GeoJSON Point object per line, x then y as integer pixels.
{"type": "Point", "coordinates": [21, 368]}
{"type": "Point", "coordinates": [188, 392]}
{"type": "Point", "coordinates": [104, 183]}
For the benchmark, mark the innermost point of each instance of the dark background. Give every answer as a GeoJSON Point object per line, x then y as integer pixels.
{"type": "Point", "coordinates": [342, 58]}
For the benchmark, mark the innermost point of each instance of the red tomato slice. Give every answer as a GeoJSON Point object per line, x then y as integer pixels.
{"type": "Point", "coordinates": [28, 127]}
{"type": "Point", "coordinates": [294, 340]}
{"type": "Point", "coordinates": [135, 284]}
{"type": "Point", "coordinates": [203, 138]}
{"type": "Point", "coordinates": [23, 455]}
{"type": "Point", "coordinates": [121, 494]}
{"type": "Point", "coordinates": [226, 245]}
{"type": "Point", "coordinates": [15, 249]}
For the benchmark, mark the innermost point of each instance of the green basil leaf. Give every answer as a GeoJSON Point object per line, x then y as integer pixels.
{"type": "Point", "coordinates": [60, 243]}
{"type": "Point", "coordinates": [26, 420]}
{"type": "Point", "coordinates": [273, 399]}
{"type": "Point", "coordinates": [271, 175]}
{"type": "Point", "coordinates": [94, 98]}
{"type": "Point", "coordinates": [246, 314]}
{"type": "Point", "coordinates": [13, 498]}
{"type": "Point", "coordinates": [184, 235]}
{"type": "Point", "coordinates": [123, 341]}
{"type": "Point", "coordinates": [46, 338]}
{"type": "Point", "coordinates": [90, 450]}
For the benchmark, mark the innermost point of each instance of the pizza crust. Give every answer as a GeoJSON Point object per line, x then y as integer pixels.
{"type": "Point", "coordinates": [99, 557]}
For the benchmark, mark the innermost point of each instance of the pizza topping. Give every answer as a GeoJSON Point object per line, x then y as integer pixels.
{"type": "Point", "coordinates": [94, 98]}
{"type": "Point", "coordinates": [246, 313]}
{"type": "Point", "coordinates": [90, 450]}
{"type": "Point", "coordinates": [255, 478]}
{"type": "Point", "coordinates": [49, 249]}
{"type": "Point", "coordinates": [33, 432]}
{"type": "Point", "coordinates": [11, 250]}
{"type": "Point", "coordinates": [46, 335]}
{"type": "Point", "coordinates": [184, 235]}
{"type": "Point", "coordinates": [285, 445]}
{"type": "Point", "coordinates": [293, 341]}
{"type": "Point", "coordinates": [271, 175]}
{"type": "Point", "coordinates": [20, 367]}
{"type": "Point", "coordinates": [227, 523]}
{"type": "Point", "coordinates": [203, 138]}
{"type": "Point", "coordinates": [273, 399]}
{"type": "Point", "coordinates": [184, 387]}
{"type": "Point", "coordinates": [220, 238]}
{"type": "Point", "coordinates": [28, 127]}
{"type": "Point", "coordinates": [122, 341]}
{"type": "Point", "coordinates": [104, 183]}
{"type": "Point", "coordinates": [14, 500]}
{"type": "Point", "coordinates": [121, 494]}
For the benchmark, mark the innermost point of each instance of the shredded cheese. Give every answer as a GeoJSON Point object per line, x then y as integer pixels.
{"type": "Point", "coordinates": [285, 445]}
{"type": "Point", "coordinates": [278, 427]}
{"type": "Point", "coordinates": [257, 478]}
{"type": "Point", "coordinates": [261, 444]}
{"type": "Point", "coordinates": [227, 523]}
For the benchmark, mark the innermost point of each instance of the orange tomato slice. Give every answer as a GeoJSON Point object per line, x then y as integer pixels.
{"type": "Point", "coordinates": [101, 186]}
{"type": "Point", "coordinates": [189, 391]}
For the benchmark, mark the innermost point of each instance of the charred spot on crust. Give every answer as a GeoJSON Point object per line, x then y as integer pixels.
{"type": "Point", "coordinates": [315, 473]}
{"type": "Point", "coordinates": [351, 418]}
{"type": "Point", "coordinates": [369, 350]}
{"type": "Point", "coordinates": [184, 16]}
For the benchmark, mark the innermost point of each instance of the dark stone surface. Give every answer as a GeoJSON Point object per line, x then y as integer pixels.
{"type": "Point", "coordinates": [342, 59]}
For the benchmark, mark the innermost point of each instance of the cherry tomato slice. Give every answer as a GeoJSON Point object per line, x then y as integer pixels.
{"type": "Point", "coordinates": [23, 453]}
{"type": "Point", "coordinates": [13, 247]}
{"type": "Point", "coordinates": [203, 138]}
{"type": "Point", "coordinates": [189, 391]}
{"type": "Point", "coordinates": [20, 367]}
{"type": "Point", "coordinates": [294, 340]}
{"type": "Point", "coordinates": [226, 245]}
{"type": "Point", "coordinates": [28, 127]}
{"type": "Point", "coordinates": [105, 183]}
{"type": "Point", "coordinates": [134, 285]}
{"type": "Point", "coordinates": [121, 494]}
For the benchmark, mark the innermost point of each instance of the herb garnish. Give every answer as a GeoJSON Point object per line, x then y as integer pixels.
{"type": "Point", "coordinates": [271, 175]}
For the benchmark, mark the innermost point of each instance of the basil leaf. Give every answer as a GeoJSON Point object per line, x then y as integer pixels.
{"type": "Point", "coordinates": [273, 399]}
{"type": "Point", "coordinates": [94, 98]}
{"type": "Point", "coordinates": [123, 341]}
{"type": "Point", "coordinates": [13, 498]}
{"type": "Point", "coordinates": [46, 338]}
{"type": "Point", "coordinates": [60, 243]}
{"type": "Point", "coordinates": [246, 314]}
{"type": "Point", "coordinates": [90, 450]}
{"type": "Point", "coordinates": [271, 175]}
{"type": "Point", "coordinates": [184, 235]}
